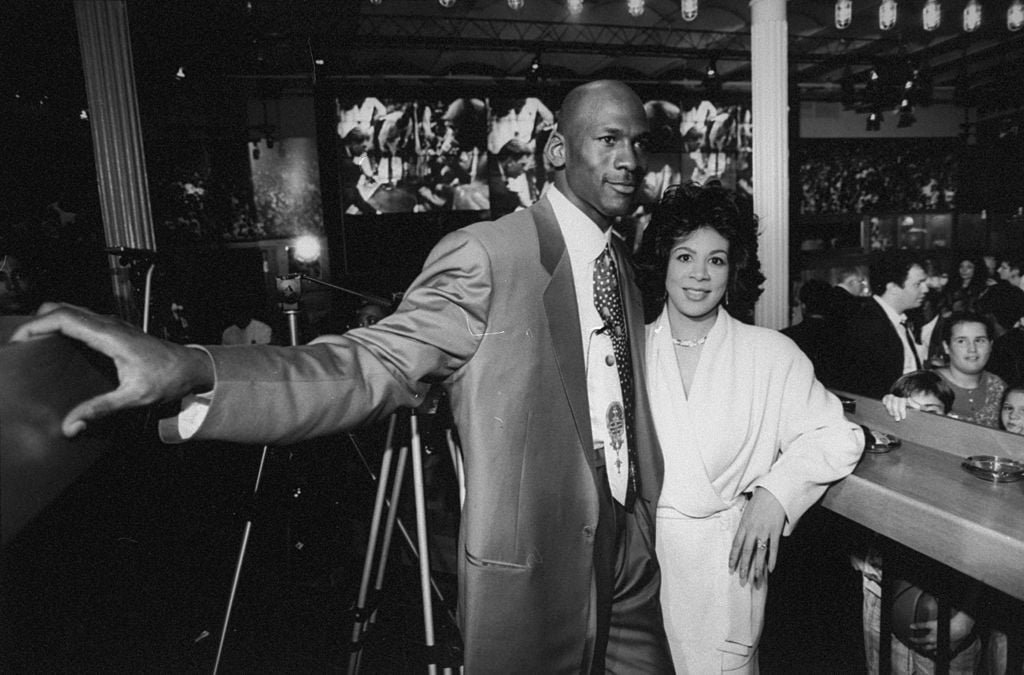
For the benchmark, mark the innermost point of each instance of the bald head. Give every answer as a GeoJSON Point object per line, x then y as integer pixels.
{"type": "Point", "coordinates": [599, 149]}
{"type": "Point", "coordinates": [590, 97]}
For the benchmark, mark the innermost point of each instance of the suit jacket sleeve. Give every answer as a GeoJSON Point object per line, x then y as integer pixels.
{"type": "Point", "coordinates": [281, 395]}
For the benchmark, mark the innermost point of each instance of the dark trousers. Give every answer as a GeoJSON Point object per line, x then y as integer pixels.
{"type": "Point", "coordinates": [630, 633]}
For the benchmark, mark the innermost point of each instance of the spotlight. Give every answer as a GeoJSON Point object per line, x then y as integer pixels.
{"type": "Point", "coordinates": [844, 13]}
{"type": "Point", "coordinates": [931, 15]}
{"type": "Point", "coordinates": [712, 84]}
{"type": "Point", "coordinates": [575, 6]}
{"type": "Point", "coordinates": [1015, 16]}
{"type": "Point", "coordinates": [534, 73]}
{"type": "Point", "coordinates": [516, 4]}
{"type": "Point", "coordinates": [306, 248]}
{"type": "Point", "coordinates": [689, 10]}
{"type": "Point", "coordinates": [875, 120]}
{"type": "Point", "coordinates": [887, 13]}
{"type": "Point", "coordinates": [635, 7]}
{"type": "Point", "coordinates": [972, 16]}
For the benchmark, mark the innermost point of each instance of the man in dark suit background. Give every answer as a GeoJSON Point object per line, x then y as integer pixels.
{"type": "Point", "coordinates": [557, 572]}
{"type": "Point", "coordinates": [878, 345]}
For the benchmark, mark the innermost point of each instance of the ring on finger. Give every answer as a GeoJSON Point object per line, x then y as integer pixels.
{"type": "Point", "coordinates": [761, 544]}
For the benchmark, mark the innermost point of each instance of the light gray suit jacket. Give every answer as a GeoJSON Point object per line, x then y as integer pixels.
{"type": "Point", "coordinates": [493, 317]}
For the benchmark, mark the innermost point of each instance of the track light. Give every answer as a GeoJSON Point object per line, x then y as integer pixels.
{"type": "Point", "coordinates": [887, 13]}
{"type": "Point", "coordinates": [844, 13]}
{"type": "Point", "coordinates": [689, 9]}
{"type": "Point", "coordinates": [1015, 15]}
{"type": "Point", "coordinates": [972, 16]}
{"type": "Point", "coordinates": [931, 15]}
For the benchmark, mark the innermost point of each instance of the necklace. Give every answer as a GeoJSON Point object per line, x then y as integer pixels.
{"type": "Point", "coordinates": [689, 343]}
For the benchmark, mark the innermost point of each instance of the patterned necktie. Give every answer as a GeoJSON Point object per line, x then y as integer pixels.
{"type": "Point", "coordinates": [608, 302]}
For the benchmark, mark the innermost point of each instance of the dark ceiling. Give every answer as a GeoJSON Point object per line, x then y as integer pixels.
{"type": "Point", "coordinates": [489, 44]}
{"type": "Point", "coordinates": [487, 41]}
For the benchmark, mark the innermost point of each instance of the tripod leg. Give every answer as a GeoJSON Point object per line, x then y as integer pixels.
{"type": "Point", "coordinates": [238, 565]}
{"type": "Point", "coordinates": [359, 621]}
{"type": "Point", "coordinates": [421, 537]}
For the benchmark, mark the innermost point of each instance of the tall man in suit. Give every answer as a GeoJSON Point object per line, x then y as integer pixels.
{"type": "Point", "coordinates": [878, 345]}
{"type": "Point", "coordinates": [557, 573]}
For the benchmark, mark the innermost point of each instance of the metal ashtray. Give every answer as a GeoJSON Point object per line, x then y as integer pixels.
{"type": "Point", "coordinates": [994, 469]}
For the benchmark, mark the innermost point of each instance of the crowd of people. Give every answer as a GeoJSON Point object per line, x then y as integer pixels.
{"type": "Point", "coordinates": [584, 428]}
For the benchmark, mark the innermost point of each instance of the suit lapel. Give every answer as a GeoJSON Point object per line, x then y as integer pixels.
{"type": "Point", "coordinates": [563, 320]}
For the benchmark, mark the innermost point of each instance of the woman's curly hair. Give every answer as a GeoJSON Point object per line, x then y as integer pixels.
{"type": "Point", "coordinates": [683, 210]}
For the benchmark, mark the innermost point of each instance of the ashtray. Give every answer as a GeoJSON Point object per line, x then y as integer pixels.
{"type": "Point", "coordinates": [879, 442]}
{"type": "Point", "coordinates": [994, 469]}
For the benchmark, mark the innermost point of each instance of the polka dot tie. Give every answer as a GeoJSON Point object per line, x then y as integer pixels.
{"type": "Point", "coordinates": [608, 302]}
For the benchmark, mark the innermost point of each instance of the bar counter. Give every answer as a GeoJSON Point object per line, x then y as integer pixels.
{"type": "Point", "coordinates": [919, 495]}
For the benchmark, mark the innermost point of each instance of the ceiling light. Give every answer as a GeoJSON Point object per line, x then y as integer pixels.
{"type": "Point", "coordinates": [575, 6]}
{"type": "Point", "coordinates": [689, 9]}
{"type": "Point", "coordinates": [635, 7]}
{"type": "Point", "coordinates": [931, 15]}
{"type": "Point", "coordinates": [887, 12]}
{"type": "Point", "coordinates": [844, 13]}
{"type": "Point", "coordinates": [972, 16]}
{"type": "Point", "coordinates": [1015, 15]}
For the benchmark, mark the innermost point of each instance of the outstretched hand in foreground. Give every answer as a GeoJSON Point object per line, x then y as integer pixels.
{"type": "Point", "coordinates": [149, 370]}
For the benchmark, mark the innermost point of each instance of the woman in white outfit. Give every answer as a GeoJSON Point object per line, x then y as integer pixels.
{"type": "Point", "coordinates": [751, 439]}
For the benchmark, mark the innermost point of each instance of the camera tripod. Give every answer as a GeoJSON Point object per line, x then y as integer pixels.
{"type": "Point", "coordinates": [365, 610]}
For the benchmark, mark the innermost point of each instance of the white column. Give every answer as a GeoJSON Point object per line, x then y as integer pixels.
{"type": "Point", "coordinates": [770, 90]}
{"type": "Point", "coordinates": [116, 135]}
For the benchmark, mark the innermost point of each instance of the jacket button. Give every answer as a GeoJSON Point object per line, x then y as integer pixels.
{"type": "Point", "coordinates": [588, 531]}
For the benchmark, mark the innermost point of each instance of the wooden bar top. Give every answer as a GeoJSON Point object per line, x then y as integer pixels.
{"type": "Point", "coordinates": [919, 495]}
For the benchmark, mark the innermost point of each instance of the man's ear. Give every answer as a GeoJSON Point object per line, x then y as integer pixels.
{"type": "Point", "coordinates": [554, 150]}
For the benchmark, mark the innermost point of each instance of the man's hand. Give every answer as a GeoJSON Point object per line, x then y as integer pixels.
{"type": "Point", "coordinates": [897, 406]}
{"type": "Point", "coordinates": [148, 370]}
{"type": "Point", "coordinates": [756, 544]}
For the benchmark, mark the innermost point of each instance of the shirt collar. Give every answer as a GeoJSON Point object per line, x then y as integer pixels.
{"type": "Point", "coordinates": [889, 311]}
{"type": "Point", "coordinates": [584, 240]}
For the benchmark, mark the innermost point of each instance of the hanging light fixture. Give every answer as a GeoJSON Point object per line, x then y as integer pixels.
{"type": "Point", "coordinates": [446, 3]}
{"type": "Point", "coordinates": [972, 16]}
{"type": "Point", "coordinates": [689, 9]}
{"type": "Point", "coordinates": [1015, 15]}
{"type": "Point", "coordinates": [635, 7]}
{"type": "Point", "coordinates": [887, 12]}
{"type": "Point", "coordinates": [931, 15]}
{"type": "Point", "coordinates": [875, 120]}
{"type": "Point", "coordinates": [575, 6]}
{"type": "Point", "coordinates": [516, 4]}
{"type": "Point", "coordinates": [844, 13]}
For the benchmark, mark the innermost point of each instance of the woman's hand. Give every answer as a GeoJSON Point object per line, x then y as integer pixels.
{"type": "Point", "coordinates": [756, 544]}
{"type": "Point", "coordinates": [925, 634]}
{"type": "Point", "coordinates": [896, 405]}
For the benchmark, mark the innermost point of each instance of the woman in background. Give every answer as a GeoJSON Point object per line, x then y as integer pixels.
{"type": "Point", "coordinates": [751, 439]}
